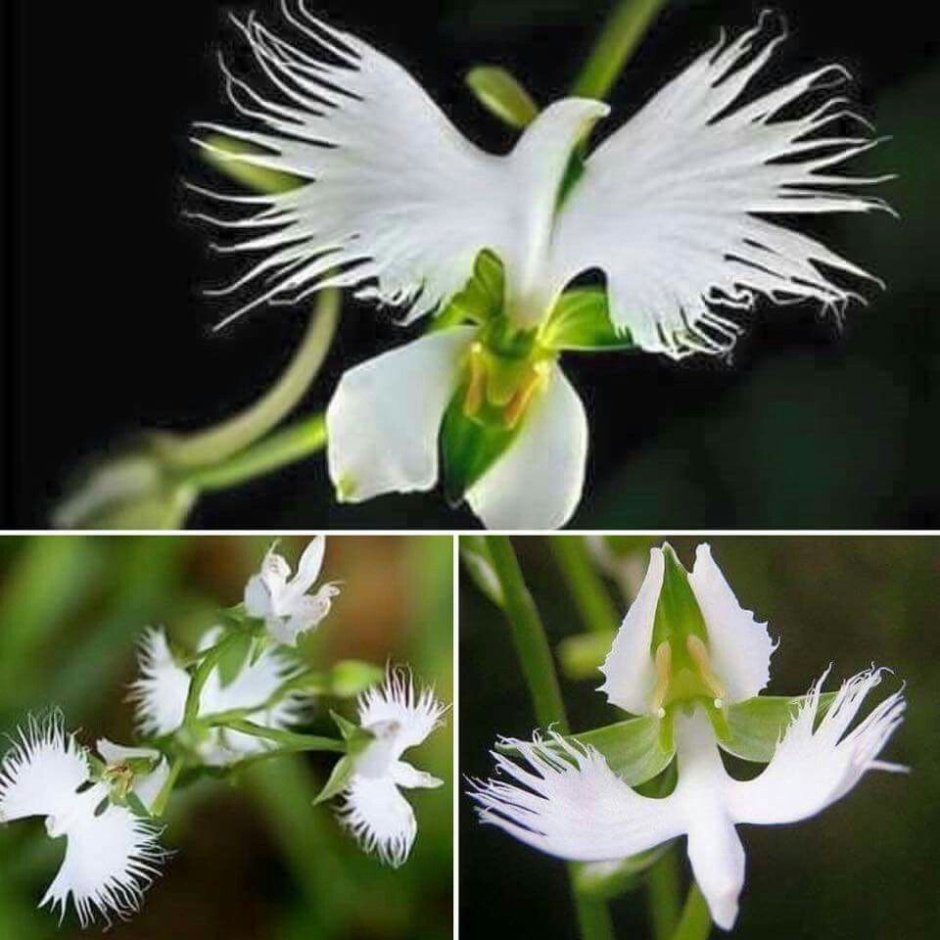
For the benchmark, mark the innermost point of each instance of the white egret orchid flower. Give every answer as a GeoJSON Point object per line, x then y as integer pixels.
{"type": "Point", "coordinates": [111, 855]}
{"type": "Point", "coordinates": [282, 601]}
{"type": "Point", "coordinates": [373, 808]}
{"type": "Point", "coordinates": [561, 795]}
{"type": "Point", "coordinates": [161, 691]}
{"type": "Point", "coordinates": [671, 208]}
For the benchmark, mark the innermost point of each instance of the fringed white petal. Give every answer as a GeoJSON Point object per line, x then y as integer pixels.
{"type": "Point", "coordinates": [814, 767]}
{"type": "Point", "coordinates": [416, 713]}
{"type": "Point", "coordinates": [393, 196]}
{"type": "Point", "coordinates": [379, 817]}
{"type": "Point", "coordinates": [740, 645]}
{"type": "Point", "coordinates": [669, 207]}
{"type": "Point", "coordinates": [628, 669]}
{"type": "Point", "coordinates": [384, 418]}
{"type": "Point", "coordinates": [110, 859]}
{"type": "Point", "coordinates": [159, 695]}
{"type": "Point", "coordinates": [537, 483]}
{"type": "Point", "coordinates": [41, 771]}
{"type": "Point", "coordinates": [563, 799]}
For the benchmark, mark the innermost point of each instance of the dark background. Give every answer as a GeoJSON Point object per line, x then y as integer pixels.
{"type": "Point", "coordinates": [107, 332]}
{"type": "Point", "coordinates": [865, 868]}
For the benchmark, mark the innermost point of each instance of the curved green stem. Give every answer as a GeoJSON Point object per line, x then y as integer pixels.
{"type": "Point", "coordinates": [295, 442]}
{"type": "Point", "coordinates": [208, 662]}
{"type": "Point", "coordinates": [623, 30]}
{"type": "Point", "coordinates": [159, 804]}
{"type": "Point", "coordinates": [288, 740]}
{"type": "Point", "coordinates": [587, 589]}
{"type": "Point", "coordinates": [695, 923]}
{"type": "Point", "coordinates": [218, 443]}
{"type": "Point", "coordinates": [663, 888]}
{"type": "Point", "coordinates": [535, 658]}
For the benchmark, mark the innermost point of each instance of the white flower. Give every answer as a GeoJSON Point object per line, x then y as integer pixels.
{"type": "Point", "coordinates": [160, 697]}
{"type": "Point", "coordinates": [282, 602]}
{"type": "Point", "coordinates": [147, 787]}
{"type": "Point", "coordinates": [111, 855]}
{"type": "Point", "coordinates": [671, 207]}
{"type": "Point", "coordinates": [373, 809]}
{"type": "Point", "coordinates": [562, 797]}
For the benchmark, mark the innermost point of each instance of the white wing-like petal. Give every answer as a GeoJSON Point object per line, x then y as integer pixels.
{"type": "Point", "coordinates": [384, 418]}
{"type": "Point", "coordinates": [566, 801]}
{"type": "Point", "coordinates": [629, 670]}
{"type": "Point", "coordinates": [537, 483]}
{"type": "Point", "coordinates": [379, 817]}
{"type": "Point", "coordinates": [740, 646]}
{"type": "Point", "coordinates": [110, 859]}
{"type": "Point", "coordinates": [811, 769]}
{"type": "Point", "coordinates": [41, 772]}
{"type": "Point", "coordinates": [417, 714]}
{"type": "Point", "coordinates": [670, 206]}
{"type": "Point", "coordinates": [160, 693]}
{"type": "Point", "coordinates": [392, 193]}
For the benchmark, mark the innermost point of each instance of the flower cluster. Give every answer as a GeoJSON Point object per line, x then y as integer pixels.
{"type": "Point", "coordinates": [691, 664]}
{"type": "Point", "coordinates": [239, 696]}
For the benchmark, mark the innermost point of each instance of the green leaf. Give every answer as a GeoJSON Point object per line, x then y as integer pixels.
{"type": "Point", "coordinates": [581, 321]}
{"type": "Point", "coordinates": [757, 725]}
{"type": "Point", "coordinates": [606, 880]}
{"type": "Point", "coordinates": [482, 297]}
{"type": "Point", "coordinates": [338, 781]}
{"type": "Point", "coordinates": [502, 95]}
{"type": "Point", "coordinates": [349, 677]}
{"type": "Point", "coordinates": [632, 748]}
{"type": "Point", "coordinates": [469, 447]}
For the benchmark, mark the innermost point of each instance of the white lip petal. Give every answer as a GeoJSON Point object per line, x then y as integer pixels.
{"type": "Point", "coordinates": [628, 669]}
{"type": "Point", "coordinates": [537, 483]}
{"type": "Point", "coordinates": [667, 205]}
{"type": "Point", "coordinates": [384, 418]}
{"type": "Point", "coordinates": [110, 859]}
{"type": "Point", "coordinates": [814, 767]}
{"type": "Point", "coordinates": [160, 692]}
{"type": "Point", "coordinates": [740, 646]}
{"type": "Point", "coordinates": [416, 714]}
{"type": "Point", "coordinates": [379, 817]}
{"type": "Point", "coordinates": [566, 801]}
{"type": "Point", "coordinates": [41, 772]}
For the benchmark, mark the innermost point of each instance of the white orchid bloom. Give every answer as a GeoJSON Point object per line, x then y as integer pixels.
{"type": "Point", "coordinates": [562, 797]}
{"type": "Point", "coordinates": [373, 807]}
{"type": "Point", "coordinates": [160, 697]}
{"type": "Point", "coordinates": [146, 786]}
{"type": "Point", "coordinates": [111, 855]}
{"type": "Point", "coordinates": [393, 201]}
{"type": "Point", "coordinates": [282, 601]}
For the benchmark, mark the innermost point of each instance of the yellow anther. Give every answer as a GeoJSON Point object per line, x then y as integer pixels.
{"type": "Point", "coordinates": [663, 663]}
{"type": "Point", "coordinates": [520, 401]}
{"type": "Point", "coordinates": [476, 389]}
{"type": "Point", "coordinates": [699, 652]}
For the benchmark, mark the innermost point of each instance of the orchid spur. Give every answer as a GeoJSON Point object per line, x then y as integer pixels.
{"type": "Point", "coordinates": [691, 664]}
{"type": "Point", "coordinates": [395, 203]}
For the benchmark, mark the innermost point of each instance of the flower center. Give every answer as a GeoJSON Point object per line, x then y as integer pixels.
{"type": "Point", "coordinates": [685, 677]}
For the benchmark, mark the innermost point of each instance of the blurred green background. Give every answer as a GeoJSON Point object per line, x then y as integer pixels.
{"type": "Point", "coordinates": [865, 869]}
{"type": "Point", "coordinates": [253, 858]}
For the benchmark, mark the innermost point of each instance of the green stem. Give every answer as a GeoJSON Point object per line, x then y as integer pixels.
{"type": "Point", "coordinates": [663, 887]}
{"type": "Point", "coordinates": [623, 30]}
{"type": "Point", "coordinates": [159, 804]}
{"type": "Point", "coordinates": [696, 923]}
{"type": "Point", "coordinates": [289, 740]}
{"type": "Point", "coordinates": [587, 589]}
{"type": "Point", "coordinates": [205, 448]}
{"type": "Point", "coordinates": [287, 446]}
{"type": "Point", "coordinates": [536, 659]}
{"type": "Point", "coordinates": [207, 663]}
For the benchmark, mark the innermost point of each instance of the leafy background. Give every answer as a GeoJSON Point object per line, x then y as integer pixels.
{"type": "Point", "coordinates": [253, 858]}
{"type": "Point", "coordinates": [810, 426]}
{"type": "Point", "coordinates": [865, 869]}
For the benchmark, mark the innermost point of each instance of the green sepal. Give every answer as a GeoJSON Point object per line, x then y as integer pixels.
{"type": "Point", "coordinates": [469, 447]}
{"type": "Point", "coordinates": [475, 554]}
{"type": "Point", "coordinates": [581, 321]}
{"type": "Point", "coordinates": [503, 95]}
{"type": "Point", "coordinates": [582, 654]}
{"type": "Point", "coordinates": [678, 614]}
{"type": "Point", "coordinates": [133, 803]}
{"type": "Point", "coordinates": [236, 652]}
{"type": "Point", "coordinates": [635, 749]}
{"type": "Point", "coordinates": [607, 880]}
{"type": "Point", "coordinates": [755, 726]}
{"type": "Point", "coordinates": [481, 299]}
{"type": "Point", "coordinates": [346, 727]}
{"type": "Point", "coordinates": [338, 780]}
